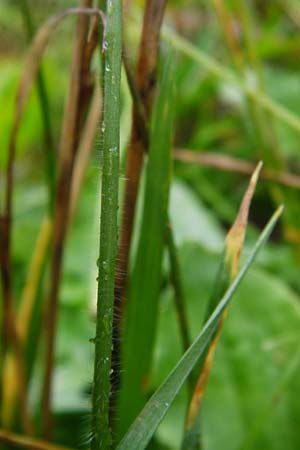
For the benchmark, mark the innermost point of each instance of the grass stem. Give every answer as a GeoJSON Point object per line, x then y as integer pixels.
{"type": "Point", "coordinates": [112, 54]}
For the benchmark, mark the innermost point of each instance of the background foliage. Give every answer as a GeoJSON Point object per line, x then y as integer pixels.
{"type": "Point", "coordinates": [251, 400]}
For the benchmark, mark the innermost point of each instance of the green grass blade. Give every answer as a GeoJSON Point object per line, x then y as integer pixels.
{"type": "Point", "coordinates": [147, 422]}
{"type": "Point", "coordinates": [227, 272]}
{"type": "Point", "coordinates": [108, 226]}
{"type": "Point", "coordinates": [144, 285]}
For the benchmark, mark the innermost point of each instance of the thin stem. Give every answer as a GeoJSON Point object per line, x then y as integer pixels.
{"type": "Point", "coordinates": [112, 50]}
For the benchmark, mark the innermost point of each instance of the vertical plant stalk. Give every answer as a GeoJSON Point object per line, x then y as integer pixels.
{"type": "Point", "coordinates": [68, 146]}
{"type": "Point", "coordinates": [145, 81]}
{"type": "Point", "coordinates": [112, 50]}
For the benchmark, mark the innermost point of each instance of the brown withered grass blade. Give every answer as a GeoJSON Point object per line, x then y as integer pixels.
{"type": "Point", "coordinates": [227, 272]}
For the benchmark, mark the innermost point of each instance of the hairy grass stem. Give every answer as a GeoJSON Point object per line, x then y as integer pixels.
{"type": "Point", "coordinates": [112, 57]}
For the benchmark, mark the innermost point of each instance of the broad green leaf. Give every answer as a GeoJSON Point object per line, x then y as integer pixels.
{"type": "Point", "coordinates": [148, 420]}
{"type": "Point", "coordinates": [144, 284]}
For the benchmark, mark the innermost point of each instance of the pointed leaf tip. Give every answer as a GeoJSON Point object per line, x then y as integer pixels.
{"type": "Point", "coordinates": [236, 235]}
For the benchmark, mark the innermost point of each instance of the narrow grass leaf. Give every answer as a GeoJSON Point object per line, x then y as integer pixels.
{"type": "Point", "coordinates": [141, 318]}
{"type": "Point", "coordinates": [148, 420]}
{"type": "Point", "coordinates": [227, 272]}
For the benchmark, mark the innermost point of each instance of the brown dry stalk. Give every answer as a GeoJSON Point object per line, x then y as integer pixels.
{"type": "Point", "coordinates": [72, 121]}
{"type": "Point", "coordinates": [145, 81]}
{"type": "Point", "coordinates": [24, 442]}
{"type": "Point", "coordinates": [229, 164]}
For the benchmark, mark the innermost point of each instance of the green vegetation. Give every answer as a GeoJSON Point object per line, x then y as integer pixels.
{"type": "Point", "coordinates": [174, 325]}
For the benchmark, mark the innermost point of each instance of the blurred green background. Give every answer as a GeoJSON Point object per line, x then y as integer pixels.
{"type": "Point", "coordinates": [252, 401]}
